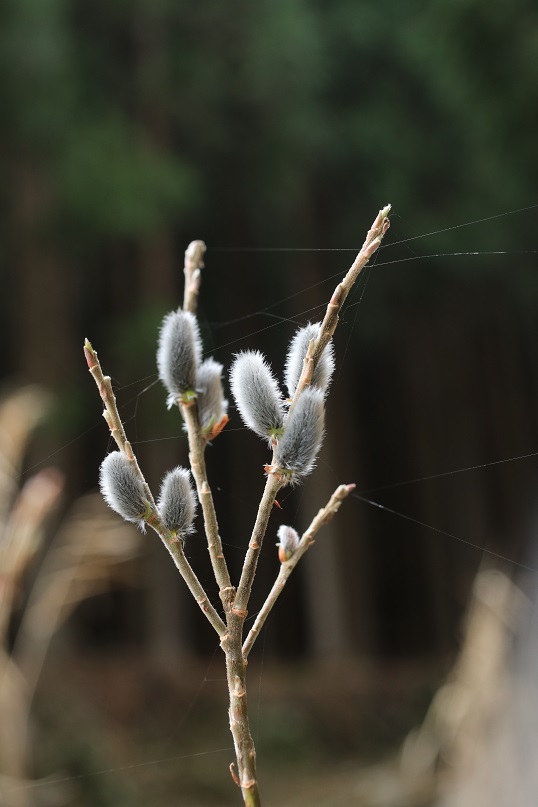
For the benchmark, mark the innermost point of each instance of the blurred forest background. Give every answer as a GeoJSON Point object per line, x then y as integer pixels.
{"type": "Point", "coordinates": [274, 131]}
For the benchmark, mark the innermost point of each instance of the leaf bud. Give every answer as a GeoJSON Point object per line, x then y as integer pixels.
{"type": "Point", "coordinates": [122, 488]}
{"type": "Point", "coordinates": [257, 395]}
{"type": "Point", "coordinates": [178, 355]}
{"type": "Point", "coordinates": [212, 405]}
{"type": "Point", "coordinates": [296, 355]}
{"type": "Point", "coordinates": [288, 542]}
{"type": "Point", "coordinates": [296, 451]}
{"type": "Point", "coordinates": [177, 502]}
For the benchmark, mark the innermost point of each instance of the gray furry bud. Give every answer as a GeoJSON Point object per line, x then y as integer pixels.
{"type": "Point", "coordinates": [178, 355]}
{"type": "Point", "coordinates": [177, 502]}
{"type": "Point", "coordinates": [288, 542]}
{"type": "Point", "coordinates": [122, 488]}
{"type": "Point", "coordinates": [296, 355]}
{"type": "Point", "coordinates": [212, 405]}
{"type": "Point", "coordinates": [295, 454]}
{"type": "Point", "coordinates": [257, 395]}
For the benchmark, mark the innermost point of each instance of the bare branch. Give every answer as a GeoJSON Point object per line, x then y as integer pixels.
{"type": "Point", "coordinates": [197, 445]}
{"type": "Point", "coordinates": [175, 547]}
{"type": "Point", "coordinates": [328, 326]}
{"type": "Point", "coordinates": [322, 518]}
{"type": "Point", "coordinates": [272, 486]}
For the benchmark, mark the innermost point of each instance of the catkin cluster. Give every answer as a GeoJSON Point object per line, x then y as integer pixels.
{"type": "Point", "coordinates": [185, 376]}
{"type": "Point", "coordinates": [294, 433]}
{"type": "Point", "coordinates": [125, 492]}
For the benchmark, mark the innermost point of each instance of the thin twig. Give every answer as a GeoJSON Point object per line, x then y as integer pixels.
{"type": "Point", "coordinates": [272, 486]}
{"type": "Point", "coordinates": [169, 539]}
{"type": "Point", "coordinates": [194, 255]}
{"type": "Point", "coordinates": [328, 326]}
{"type": "Point", "coordinates": [322, 518]}
{"type": "Point", "coordinates": [175, 547]}
{"type": "Point", "coordinates": [197, 445]}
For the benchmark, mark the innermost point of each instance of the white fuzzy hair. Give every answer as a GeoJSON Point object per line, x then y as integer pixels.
{"type": "Point", "coordinates": [122, 488]}
{"type": "Point", "coordinates": [296, 355]}
{"type": "Point", "coordinates": [298, 447]}
{"type": "Point", "coordinates": [212, 405]}
{"type": "Point", "coordinates": [179, 353]}
{"type": "Point", "coordinates": [257, 395]}
{"type": "Point", "coordinates": [288, 539]}
{"type": "Point", "coordinates": [177, 502]}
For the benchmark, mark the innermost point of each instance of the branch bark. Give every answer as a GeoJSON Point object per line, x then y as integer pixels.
{"type": "Point", "coordinates": [197, 445]}
{"type": "Point", "coordinates": [272, 486]}
{"type": "Point", "coordinates": [330, 321]}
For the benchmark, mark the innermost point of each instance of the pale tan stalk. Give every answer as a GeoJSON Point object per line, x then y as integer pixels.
{"type": "Point", "coordinates": [194, 263]}
{"type": "Point", "coordinates": [272, 486]}
{"type": "Point", "coordinates": [323, 517]}
{"type": "Point", "coordinates": [169, 539]}
{"type": "Point", "coordinates": [197, 445]}
{"type": "Point", "coordinates": [245, 752]}
{"type": "Point", "coordinates": [328, 326]}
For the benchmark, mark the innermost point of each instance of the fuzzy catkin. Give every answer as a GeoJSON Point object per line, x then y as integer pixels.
{"type": "Point", "coordinates": [257, 395]}
{"type": "Point", "coordinates": [212, 405]}
{"type": "Point", "coordinates": [288, 541]}
{"type": "Point", "coordinates": [296, 354]}
{"type": "Point", "coordinates": [122, 488]}
{"type": "Point", "coordinates": [177, 502]}
{"type": "Point", "coordinates": [296, 451]}
{"type": "Point", "coordinates": [179, 354]}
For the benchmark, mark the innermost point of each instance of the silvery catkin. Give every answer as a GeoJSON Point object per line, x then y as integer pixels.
{"type": "Point", "coordinates": [212, 405]}
{"type": "Point", "coordinates": [178, 355]}
{"type": "Point", "coordinates": [257, 395]}
{"type": "Point", "coordinates": [122, 488]}
{"type": "Point", "coordinates": [296, 355]}
{"type": "Point", "coordinates": [296, 451]}
{"type": "Point", "coordinates": [288, 542]}
{"type": "Point", "coordinates": [177, 502]}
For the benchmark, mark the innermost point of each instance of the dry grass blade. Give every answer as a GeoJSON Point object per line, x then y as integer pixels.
{"type": "Point", "coordinates": [20, 413]}
{"type": "Point", "coordinates": [90, 552]}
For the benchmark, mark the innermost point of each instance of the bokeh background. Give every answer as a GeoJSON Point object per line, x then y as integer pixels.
{"type": "Point", "coordinates": [273, 131]}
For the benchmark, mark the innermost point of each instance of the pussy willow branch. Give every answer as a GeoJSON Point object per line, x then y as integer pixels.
{"type": "Point", "coordinates": [169, 539]}
{"type": "Point", "coordinates": [197, 444]}
{"type": "Point", "coordinates": [372, 241]}
{"type": "Point", "coordinates": [323, 517]}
